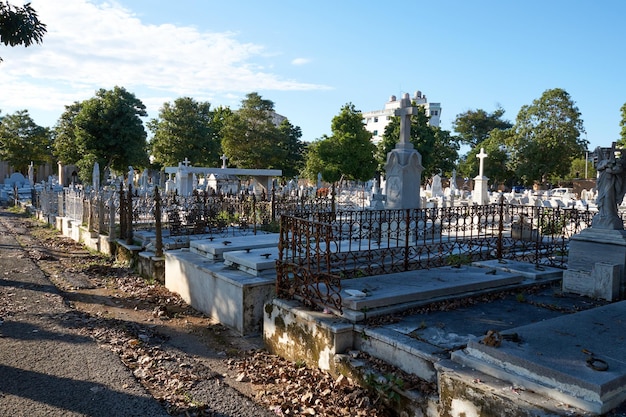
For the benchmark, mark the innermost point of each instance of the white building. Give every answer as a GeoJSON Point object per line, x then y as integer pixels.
{"type": "Point", "coordinates": [377, 120]}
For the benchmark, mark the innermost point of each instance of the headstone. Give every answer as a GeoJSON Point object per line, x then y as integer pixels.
{"type": "Point", "coordinates": [436, 190]}
{"type": "Point", "coordinates": [404, 164]}
{"type": "Point", "coordinates": [95, 176]}
{"type": "Point", "coordinates": [480, 194]}
{"type": "Point", "coordinates": [224, 158]}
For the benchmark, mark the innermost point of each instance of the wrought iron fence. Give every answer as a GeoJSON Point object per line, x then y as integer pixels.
{"type": "Point", "coordinates": [314, 255]}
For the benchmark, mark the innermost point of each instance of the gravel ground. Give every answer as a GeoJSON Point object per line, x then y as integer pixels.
{"type": "Point", "coordinates": [83, 336]}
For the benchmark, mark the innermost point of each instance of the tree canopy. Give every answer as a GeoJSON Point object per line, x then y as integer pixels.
{"type": "Point", "coordinates": [496, 166]}
{"type": "Point", "coordinates": [474, 126]}
{"type": "Point", "coordinates": [105, 128]}
{"type": "Point", "coordinates": [20, 25]}
{"type": "Point", "coordinates": [22, 141]}
{"type": "Point", "coordinates": [348, 152]}
{"type": "Point", "coordinates": [438, 148]}
{"type": "Point", "coordinates": [186, 129]}
{"type": "Point", "coordinates": [546, 137]}
{"type": "Point", "coordinates": [252, 138]}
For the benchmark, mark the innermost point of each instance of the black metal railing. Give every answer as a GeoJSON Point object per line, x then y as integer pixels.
{"type": "Point", "coordinates": [315, 255]}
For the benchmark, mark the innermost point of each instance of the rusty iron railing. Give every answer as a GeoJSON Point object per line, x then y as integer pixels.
{"type": "Point", "coordinates": [315, 255]}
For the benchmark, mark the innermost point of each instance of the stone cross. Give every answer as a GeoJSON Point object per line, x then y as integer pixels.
{"type": "Point", "coordinates": [405, 112]}
{"type": "Point", "coordinates": [186, 162]}
{"type": "Point", "coordinates": [482, 155]}
{"type": "Point", "coordinates": [223, 158]}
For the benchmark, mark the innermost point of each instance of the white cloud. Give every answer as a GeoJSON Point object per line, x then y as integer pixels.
{"type": "Point", "coordinates": [93, 44]}
{"type": "Point", "coordinates": [300, 61]}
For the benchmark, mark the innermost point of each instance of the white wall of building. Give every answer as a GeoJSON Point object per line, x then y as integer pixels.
{"type": "Point", "coordinates": [377, 120]}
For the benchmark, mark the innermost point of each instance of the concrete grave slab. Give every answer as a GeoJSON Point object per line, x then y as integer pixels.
{"type": "Point", "coordinates": [214, 249]}
{"type": "Point", "coordinates": [552, 357]}
{"type": "Point", "coordinates": [404, 287]}
{"type": "Point", "coordinates": [253, 261]}
{"type": "Point", "coordinates": [525, 269]}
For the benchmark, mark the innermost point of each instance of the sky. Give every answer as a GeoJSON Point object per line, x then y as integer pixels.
{"type": "Point", "coordinates": [312, 57]}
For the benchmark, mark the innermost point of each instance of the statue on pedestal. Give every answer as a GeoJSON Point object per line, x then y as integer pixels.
{"type": "Point", "coordinates": [611, 187]}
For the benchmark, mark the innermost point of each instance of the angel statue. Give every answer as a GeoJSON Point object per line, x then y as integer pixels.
{"type": "Point", "coordinates": [611, 187]}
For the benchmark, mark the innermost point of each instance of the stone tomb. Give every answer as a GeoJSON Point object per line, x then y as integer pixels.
{"type": "Point", "coordinates": [597, 264]}
{"type": "Point", "coordinates": [210, 279]}
{"type": "Point", "coordinates": [214, 249]}
{"type": "Point", "coordinates": [399, 290]}
{"type": "Point", "coordinates": [577, 358]}
{"type": "Point", "coordinates": [257, 262]}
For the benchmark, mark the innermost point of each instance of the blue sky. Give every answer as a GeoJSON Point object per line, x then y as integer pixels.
{"type": "Point", "coordinates": [312, 57]}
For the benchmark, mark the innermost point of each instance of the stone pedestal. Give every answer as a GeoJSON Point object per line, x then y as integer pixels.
{"type": "Point", "coordinates": [480, 195]}
{"type": "Point", "coordinates": [597, 264]}
{"type": "Point", "coordinates": [404, 173]}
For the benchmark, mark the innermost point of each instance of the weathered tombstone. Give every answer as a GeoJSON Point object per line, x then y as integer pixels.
{"type": "Point", "coordinates": [597, 255]}
{"type": "Point", "coordinates": [404, 164]}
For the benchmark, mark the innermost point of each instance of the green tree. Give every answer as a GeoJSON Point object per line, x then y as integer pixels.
{"type": "Point", "coordinates": [106, 128]}
{"type": "Point", "coordinates": [293, 148]}
{"type": "Point", "coordinates": [22, 141]}
{"type": "Point", "coordinates": [65, 146]}
{"type": "Point", "coordinates": [439, 149]}
{"type": "Point", "coordinates": [546, 138]}
{"type": "Point", "coordinates": [348, 152]}
{"type": "Point", "coordinates": [496, 166]}
{"type": "Point", "coordinates": [250, 137]}
{"type": "Point", "coordinates": [20, 25]}
{"type": "Point", "coordinates": [622, 124]}
{"type": "Point", "coordinates": [474, 126]}
{"type": "Point", "coordinates": [185, 129]}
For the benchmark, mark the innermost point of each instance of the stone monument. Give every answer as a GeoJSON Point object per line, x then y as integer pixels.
{"type": "Point", "coordinates": [95, 176]}
{"type": "Point", "coordinates": [480, 195]}
{"type": "Point", "coordinates": [404, 164]}
{"type": "Point", "coordinates": [597, 255]}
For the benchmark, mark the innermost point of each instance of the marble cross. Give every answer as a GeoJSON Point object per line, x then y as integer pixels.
{"type": "Point", "coordinates": [223, 158]}
{"type": "Point", "coordinates": [405, 112]}
{"type": "Point", "coordinates": [482, 155]}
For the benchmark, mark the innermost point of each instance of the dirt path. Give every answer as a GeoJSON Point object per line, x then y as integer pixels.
{"type": "Point", "coordinates": [83, 336]}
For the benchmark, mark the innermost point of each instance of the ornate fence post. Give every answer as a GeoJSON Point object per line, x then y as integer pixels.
{"type": "Point", "coordinates": [61, 203]}
{"type": "Point", "coordinates": [123, 216]}
{"type": "Point", "coordinates": [333, 193]}
{"type": "Point", "coordinates": [158, 245]}
{"type": "Point", "coordinates": [112, 218]}
{"type": "Point", "coordinates": [254, 213]}
{"type": "Point", "coordinates": [89, 203]}
{"type": "Point", "coordinates": [273, 204]}
{"type": "Point", "coordinates": [100, 213]}
{"type": "Point", "coordinates": [129, 211]}
{"type": "Point", "coordinates": [407, 233]}
{"type": "Point", "coordinates": [500, 228]}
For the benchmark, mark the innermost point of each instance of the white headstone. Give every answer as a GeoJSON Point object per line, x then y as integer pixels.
{"type": "Point", "coordinates": [95, 176]}
{"type": "Point", "coordinates": [480, 194]}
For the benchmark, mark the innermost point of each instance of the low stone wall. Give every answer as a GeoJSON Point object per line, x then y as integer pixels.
{"type": "Point", "coordinates": [145, 263]}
